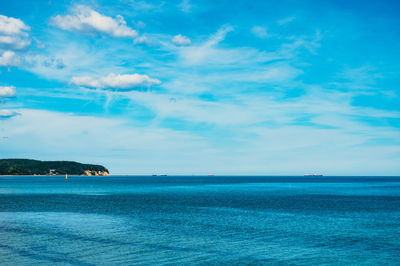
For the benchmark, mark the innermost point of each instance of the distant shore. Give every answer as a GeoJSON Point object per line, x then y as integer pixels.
{"type": "Point", "coordinates": [29, 167]}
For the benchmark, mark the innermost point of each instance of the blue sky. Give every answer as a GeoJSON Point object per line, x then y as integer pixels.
{"type": "Point", "coordinates": [203, 87]}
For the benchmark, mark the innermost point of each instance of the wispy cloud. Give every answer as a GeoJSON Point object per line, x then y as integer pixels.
{"type": "Point", "coordinates": [210, 54]}
{"type": "Point", "coordinates": [260, 32]}
{"type": "Point", "coordinates": [146, 5]}
{"type": "Point", "coordinates": [219, 35]}
{"type": "Point", "coordinates": [286, 20]}
{"type": "Point", "coordinates": [67, 58]}
{"type": "Point", "coordinates": [185, 6]}
{"type": "Point", "coordinates": [207, 52]}
{"type": "Point", "coordinates": [252, 109]}
{"type": "Point", "coordinates": [310, 43]}
{"type": "Point", "coordinates": [359, 78]}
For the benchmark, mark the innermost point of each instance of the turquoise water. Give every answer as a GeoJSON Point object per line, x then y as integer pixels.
{"type": "Point", "coordinates": [122, 220]}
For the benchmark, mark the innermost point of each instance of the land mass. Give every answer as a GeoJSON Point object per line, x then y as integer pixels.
{"type": "Point", "coordinates": [36, 167]}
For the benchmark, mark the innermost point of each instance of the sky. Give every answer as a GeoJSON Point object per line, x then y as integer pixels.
{"type": "Point", "coordinates": [203, 87]}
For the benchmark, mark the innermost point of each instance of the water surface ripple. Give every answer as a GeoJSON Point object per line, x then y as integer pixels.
{"type": "Point", "coordinates": [125, 220]}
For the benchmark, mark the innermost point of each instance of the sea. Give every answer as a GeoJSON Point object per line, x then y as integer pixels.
{"type": "Point", "coordinates": [197, 220]}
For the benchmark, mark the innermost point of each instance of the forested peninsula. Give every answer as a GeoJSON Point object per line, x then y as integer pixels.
{"type": "Point", "coordinates": [36, 167]}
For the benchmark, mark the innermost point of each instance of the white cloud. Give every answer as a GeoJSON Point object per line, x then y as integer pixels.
{"type": "Point", "coordinates": [260, 32]}
{"type": "Point", "coordinates": [143, 40]}
{"type": "Point", "coordinates": [12, 26]}
{"type": "Point", "coordinates": [13, 33]}
{"type": "Point", "coordinates": [85, 20]}
{"type": "Point", "coordinates": [116, 81]}
{"type": "Point", "coordinates": [9, 58]}
{"type": "Point", "coordinates": [7, 91]}
{"type": "Point", "coordinates": [181, 40]}
{"type": "Point", "coordinates": [5, 113]}
{"type": "Point", "coordinates": [13, 42]}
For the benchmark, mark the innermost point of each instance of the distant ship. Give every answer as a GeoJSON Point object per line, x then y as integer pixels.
{"type": "Point", "coordinates": [313, 175]}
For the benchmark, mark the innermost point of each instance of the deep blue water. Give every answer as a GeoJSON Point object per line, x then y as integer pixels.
{"type": "Point", "coordinates": [199, 220]}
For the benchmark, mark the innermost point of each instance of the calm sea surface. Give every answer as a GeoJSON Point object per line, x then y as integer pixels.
{"type": "Point", "coordinates": [122, 220]}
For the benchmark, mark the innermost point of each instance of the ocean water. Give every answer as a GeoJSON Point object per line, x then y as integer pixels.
{"type": "Point", "coordinates": [138, 220]}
